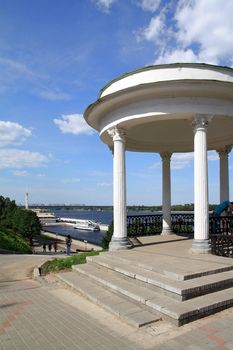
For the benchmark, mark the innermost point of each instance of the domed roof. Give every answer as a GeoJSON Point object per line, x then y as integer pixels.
{"type": "Point", "coordinates": [155, 106]}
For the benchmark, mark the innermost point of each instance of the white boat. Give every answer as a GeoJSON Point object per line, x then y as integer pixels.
{"type": "Point", "coordinates": [81, 224]}
{"type": "Point", "coordinates": [45, 216]}
{"type": "Point", "coordinates": [87, 225]}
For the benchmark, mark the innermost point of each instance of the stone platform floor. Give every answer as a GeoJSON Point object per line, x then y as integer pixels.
{"type": "Point", "coordinates": [45, 315]}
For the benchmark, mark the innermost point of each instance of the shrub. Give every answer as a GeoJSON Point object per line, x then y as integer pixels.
{"type": "Point", "coordinates": [108, 236]}
{"type": "Point", "coordinates": [66, 263]}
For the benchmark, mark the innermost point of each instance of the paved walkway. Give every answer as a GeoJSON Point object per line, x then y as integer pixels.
{"type": "Point", "coordinates": [46, 315]}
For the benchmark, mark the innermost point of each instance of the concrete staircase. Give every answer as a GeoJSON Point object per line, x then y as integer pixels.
{"type": "Point", "coordinates": [141, 293]}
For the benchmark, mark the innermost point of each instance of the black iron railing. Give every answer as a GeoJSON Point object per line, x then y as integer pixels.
{"type": "Point", "coordinates": [220, 229]}
{"type": "Point", "coordinates": [221, 235]}
{"type": "Point", "coordinates": [144, 225]}
{"type": "Point", "coordinates": [183, 223]}
{"type": "Point", "coordinates": [221, 225]}
{"type": "Point", "coordinates": [222, 245]}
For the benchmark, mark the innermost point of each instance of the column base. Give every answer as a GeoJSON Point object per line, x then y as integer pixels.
{"type": "Point", "coordinates": [200, 246]}
{"type": "Point", "coordinates": [119, 244]}
{"type": "Point", "coordinates": [166, 231]}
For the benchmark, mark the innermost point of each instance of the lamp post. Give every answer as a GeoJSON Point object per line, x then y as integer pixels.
{"type": "Point", "coordinates": [85, 244]}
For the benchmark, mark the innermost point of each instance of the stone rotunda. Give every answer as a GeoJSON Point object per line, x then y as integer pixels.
{"type": "Point", "coordinates": [164, 109]}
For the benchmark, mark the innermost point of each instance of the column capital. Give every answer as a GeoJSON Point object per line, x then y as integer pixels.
{"type": "Point", "coordinates": [117, 134]}
{"type": "Point", "coordinates": [165, 156]}
{"type": "Point", "coordinates": [201, 121]}
{"type": "Point", "coordinates": [224, 151]}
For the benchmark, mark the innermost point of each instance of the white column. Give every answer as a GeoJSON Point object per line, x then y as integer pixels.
{"type": "Point", "coordinates": [224, 173]}
{"type": "Point", "coordinates": [167, 229]}
{"type": "Point", "coordinates": [119, 238]}
{"type": "Point", "coordinates": [200, 243]}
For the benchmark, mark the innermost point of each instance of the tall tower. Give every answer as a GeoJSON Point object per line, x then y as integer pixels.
{"type": "Point", "coordinates": [26, 200]}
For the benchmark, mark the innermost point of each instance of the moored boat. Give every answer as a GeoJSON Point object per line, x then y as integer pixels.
{"type": "Point", "coordinates": [81, 224]}
{"type": "Point", "coordinates": [87, 225]}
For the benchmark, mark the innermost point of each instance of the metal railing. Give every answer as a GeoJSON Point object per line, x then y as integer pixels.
{"type": "Point", "coordinates": [221, 225]}
{"type": "Point", "coordinates": [221, 235]}
{"type": "Point", "coordinates": [144, 225]}
{"type": "Point", "coordinates": [222, 245]}
{"type": "Point", "coordinates": [220, 229]}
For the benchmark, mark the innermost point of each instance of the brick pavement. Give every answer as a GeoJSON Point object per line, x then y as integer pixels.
{"type": "Point", "coordinates": [45, 316]}
{"type": "Point", "coordinates": [33, 318]}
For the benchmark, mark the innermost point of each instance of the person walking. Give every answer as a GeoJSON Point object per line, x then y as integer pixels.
{"type": "Point", "coordinates": [68, 244]}
{"type": "Point", "coordinates": [55, 246]}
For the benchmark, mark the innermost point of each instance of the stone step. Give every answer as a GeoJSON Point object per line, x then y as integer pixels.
{"type": "Point", "coordinates": [115, 281]}
{"type": "Point", "coordinates": [128, 310]}
{"type": "Point", "coordinates": [187, 311]}
{"type": "Point", "coordinates": [180, 290]}
{"type": "Point", "coordinates": [168, 266]}
{"type": "Point", "coordinates": [178, 312]}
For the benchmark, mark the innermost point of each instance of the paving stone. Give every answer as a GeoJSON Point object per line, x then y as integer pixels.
{"type": "Point", "coordinates": [118, 304]}
{"type": "Point", "coordinates": [50, 323]}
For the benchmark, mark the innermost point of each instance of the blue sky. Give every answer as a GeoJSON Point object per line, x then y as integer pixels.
{"type": "Point", "coordinates": [55, 56]}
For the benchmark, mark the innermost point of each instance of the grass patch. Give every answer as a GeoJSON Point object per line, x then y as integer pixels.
{"type": "Point", "coordinates": [66, 263]}
{"type": "Point", "coordinates": [13, 242]}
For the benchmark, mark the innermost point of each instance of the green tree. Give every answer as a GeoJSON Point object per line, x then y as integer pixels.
{"type": "Point", "coordinates": [26, 223]}
{"type": "Point", "coordinates": [20, 221]}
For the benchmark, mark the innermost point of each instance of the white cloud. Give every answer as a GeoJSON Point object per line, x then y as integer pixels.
{"type": "Point", "coordinates": [15, 158]}
{"type": "Point", "coordinates": [20, 173]}
{"type": "Point", "coordinates": [104, 5]}
{"type": "Point", "coordinates": [207, 23]}
{"type": "Point", "coordinates": [12, 71]}
{"type": "Point", "coordinates": [155, 165]}
{"type": "Point", "coordinates": [99, 173]}
{"type": "Point", "coordinates": [192, 31]}
{"type": "Point", "coordinates": [180, 164]}
{"type": "Point", "coordinates": [183, 160]}
{"type": "Point", "coordinates": [16, 67]}
{"type": "Point", "coordinates": [12, 133]}
{"type": "Point", "coordinates": [213, 155]}
{"type": "Point", "coordinates": [53, 95]}
{"type": "Point", "coordinates": [73, 124]}
{"type": "Point", "coordinates": [153, 32]}
{"type": "Point", "coordinates": [178, 55]}
{"type": "Point", "coordinates": [104, 184]}
{"type": "Point", "coordinates": [72, 180]}
{"type": "Point", "coordinates": [183, 156]}
{"type": "Point", "coordinates": [149, 5]}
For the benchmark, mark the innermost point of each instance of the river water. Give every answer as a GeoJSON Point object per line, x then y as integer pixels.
{"type": "Point", "coordinates": [95, 237]}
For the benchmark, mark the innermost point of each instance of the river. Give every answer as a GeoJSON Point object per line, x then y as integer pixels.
{"type": "Point", "coordinates": [95, 237]}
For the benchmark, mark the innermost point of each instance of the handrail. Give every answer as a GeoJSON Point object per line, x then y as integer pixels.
{"type": "Point", "coordinates": [150, 224]}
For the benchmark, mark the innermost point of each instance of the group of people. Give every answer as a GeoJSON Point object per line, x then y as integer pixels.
{"type": "Point", "coordinates": [50, 245]}
{"type": "Point", "coordinates": [54, 245]}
